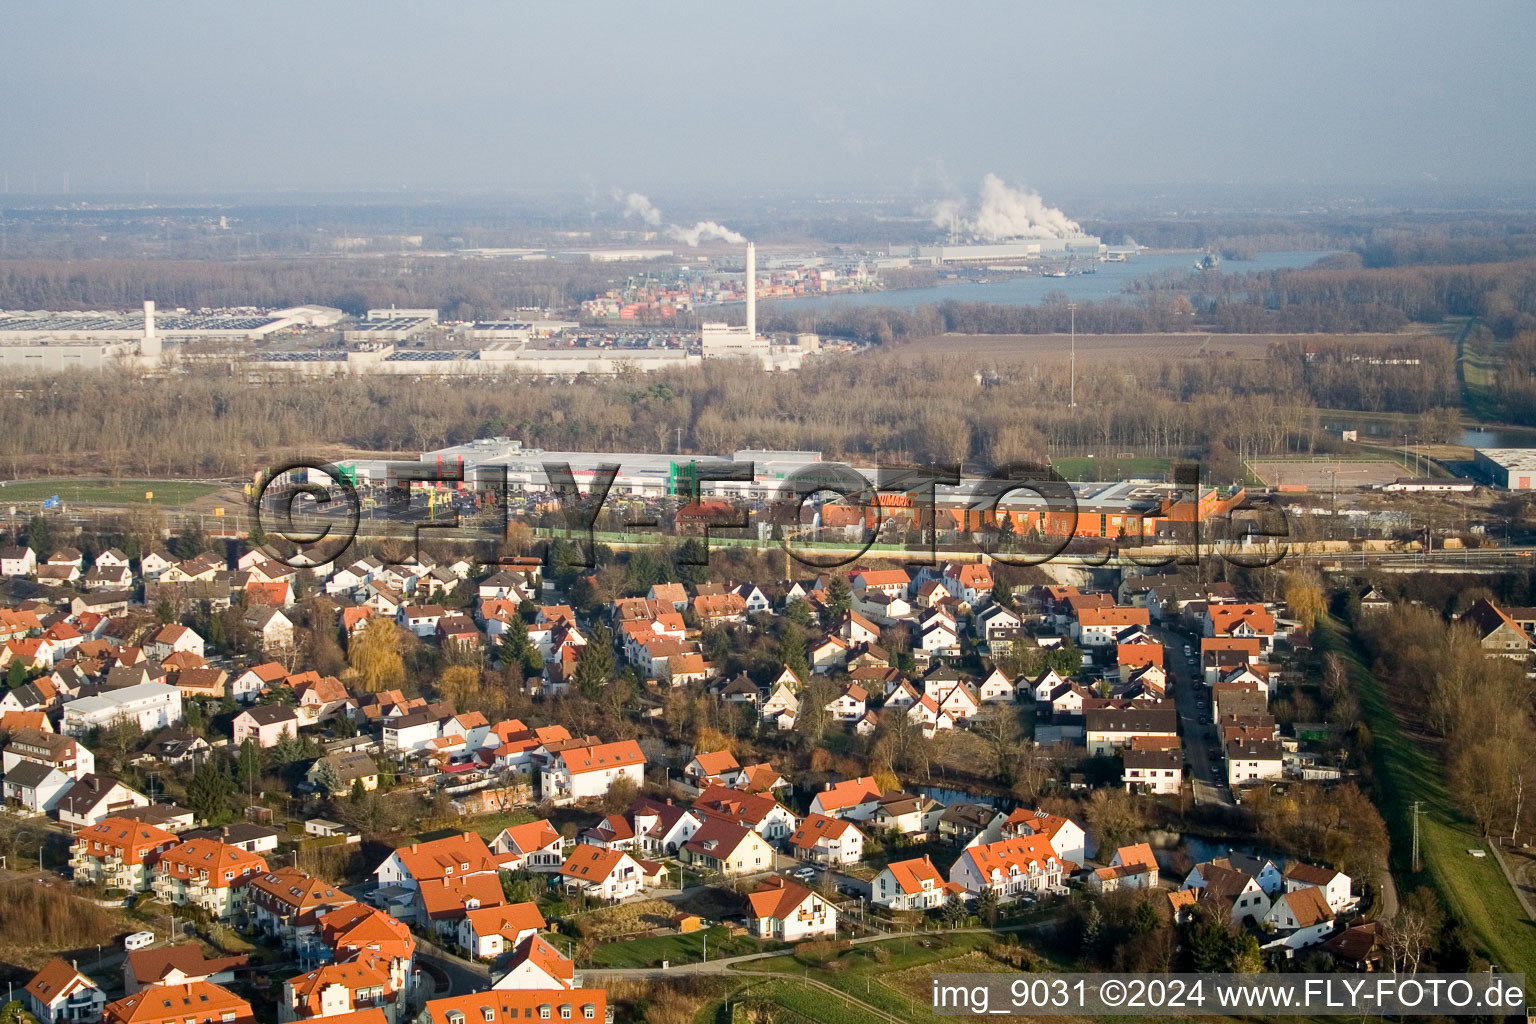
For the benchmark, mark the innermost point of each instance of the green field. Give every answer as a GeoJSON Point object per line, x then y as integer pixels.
{"type": "Point", "coordinates": [805, 1005]}
{"type": "Point", "coordinates": [1101, 469]}
{"type": "Point", "coordinates": [677, 949]}
{"type": "Point", "coordinates": [1474, 889]}
{"type": "Point", "coordinates": [100, 492]}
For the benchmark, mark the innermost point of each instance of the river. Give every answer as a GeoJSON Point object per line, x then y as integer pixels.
{"type": "Point", "coordinates": [1107, 281]}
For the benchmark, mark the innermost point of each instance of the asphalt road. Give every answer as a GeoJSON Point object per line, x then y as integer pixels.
{"type": "Point", "coordinates": [1208, 777]}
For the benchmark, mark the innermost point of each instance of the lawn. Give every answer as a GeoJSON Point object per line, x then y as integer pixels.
{"type": "Point", "coordinates": [1100, 469]}
{"type": "Point", "coordinates": [676, 949]}
{"type": "Point", "coordinates": [490, 825]}
{"type": "Point", "coordinates": [166, 492]}
{"type": "Point", "coordinates": [1474, 889]}
{"type": "Point", "coordinates": [865, 978]}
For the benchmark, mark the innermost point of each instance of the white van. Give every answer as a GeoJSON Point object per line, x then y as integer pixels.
{"type": "Point", "coordinates": [139, 940]}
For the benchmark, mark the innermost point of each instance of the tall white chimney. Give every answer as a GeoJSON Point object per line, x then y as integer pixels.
{"type": "Point", "coordinates": [150, 346]}
{"type": "Point", "coordinates": [751, 291]}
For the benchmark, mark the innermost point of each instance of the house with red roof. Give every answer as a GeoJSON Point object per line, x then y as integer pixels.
{"type": "Point", "coordinates": [587, 772]}
{"type": "Point", "coordinates": [118, 853]}
{"type": "Point", "coordinates": [1010, 868]}
{"type": "Point", "coordinates": [759, 812]}
{"type": "Point", "coordinates": [706, 769]}
{"type": "Point", "coordinates": [603, 873]}
{"type": "Point", "coordinates": [785, 911]}
{"type": "Point", "coordinates": [823, 840]}
{"type": "Point", "coordinates": [487, 932]}
{"type": "Point", "coordinates": [336, 988]}
{"type": "Point", "coordinates": [287, 904]}
{"type": "Point", "coordinates": [854, 799]}
{"type": "Point", "coordinates": [177, 965]}
{"type": "Point", "coordinates": [199, 1002]}
{"type": "Point", "coordinates": [911, 885]}
{"type": "Point", "coordinates": [208, 874]}
{"type": "Point", "coordinates": [721, 846]}
{"type": "Point", "coordinates": [533, 846]}
{"type": "Point", "coordinates": [61, 994]}
{"type": "Point", "coordinates": [537, 966]}
{"type": "Point", "coordinates": [445, 901]}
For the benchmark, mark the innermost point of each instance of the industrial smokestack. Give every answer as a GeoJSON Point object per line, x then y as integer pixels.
{"type": "Point", "coordinates": [751, 291]}
{"type": "Point", "coordinates": [150, 346]}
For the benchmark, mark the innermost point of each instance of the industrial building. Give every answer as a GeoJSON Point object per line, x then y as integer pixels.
{"type": "Point", "coordinates": [1023, 250]}
{"type": "Point", "coordinates": [1513, 469]}
{"type": "Point", "coordinates": [1140, 509]}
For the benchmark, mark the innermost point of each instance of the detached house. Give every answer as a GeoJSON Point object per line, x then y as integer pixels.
{"type": "Point", "coordinates": [534, 846]}
{"type": "Point", "coordinates": [784, 911]}
{"type": "Point", "coordinates": [602, 873]}
{"type": "Point", "coordinates": [910, 885]}
{"type": "Point", "coordinates": [725, 848]}
{"type": "Point", "coordinates": [580, 773]}
{"type": "Point", "coordinates": [60, 994]}
{"type": "Point", "coordinates": [266, 724]}
{"type": "Point", "coordinates": [823, 840]}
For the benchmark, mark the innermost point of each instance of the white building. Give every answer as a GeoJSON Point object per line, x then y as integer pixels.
{"type": "Point", "coordinates": [787, 912]}
{"type": "Point", "coordinates": [584, 772]}
{"type": "Point", "coordinates": [151, 706]}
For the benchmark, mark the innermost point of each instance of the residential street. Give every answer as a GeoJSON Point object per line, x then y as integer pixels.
{"type": "Point", "coordinates": [1208, 776]}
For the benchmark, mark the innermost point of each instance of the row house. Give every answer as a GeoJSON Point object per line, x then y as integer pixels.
{"type": "Point", "coordinates": [287, 905]}
{"type": "Point", "coordinates": [1067, 838]}
{"type": "Point", "coordinates": [1010, 868]}
{"type": "Point", "coordinates": [177, 965]}
{"type": "Point", "coordinates": [1108, 730]}
{"type": "Point", "coordinates": [339, 988]}
{"type": "Point", "coordinates": [1101, 627]}
{"type": "Point", "coordinates": [518, 1006]}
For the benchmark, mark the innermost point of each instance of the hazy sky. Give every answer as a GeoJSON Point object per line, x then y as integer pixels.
{"type": "Point", "coordinates": [221, 96]}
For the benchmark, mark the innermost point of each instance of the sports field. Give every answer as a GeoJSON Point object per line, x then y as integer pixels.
{"type": "Point", "coordinates": [1321, 475]}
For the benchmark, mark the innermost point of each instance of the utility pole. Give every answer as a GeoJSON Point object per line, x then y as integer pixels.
{"type": "Point", "coordinates": [1415, 858]}
{"type": "Point", "coordinates": [1072, 372]}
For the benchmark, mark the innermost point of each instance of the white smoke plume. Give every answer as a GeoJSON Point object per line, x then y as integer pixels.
{"type": "Point", "coordinates": [704, 231]}
{"type": "Point", "coordinates": [1004, 213]}
{"type": "Point", "coordinates": [636, 205]}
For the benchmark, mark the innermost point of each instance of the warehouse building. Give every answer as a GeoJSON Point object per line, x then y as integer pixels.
{"type": "Point", "coordinates": [1513, 469]}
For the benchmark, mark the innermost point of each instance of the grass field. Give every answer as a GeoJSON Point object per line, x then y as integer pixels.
{"type": "Point", "coordinates": [804, 1005]}
{"type": "Point", "coordinates": [677, 949]}
{"type": "Point", "coordinates": [1474, 889]}
{"type": "Point", "coordinates": [166, 492]}
{"type": "Point", "coordinates": [1111, 469]}
{"type": "Point", "coordinates": [1121, 348]}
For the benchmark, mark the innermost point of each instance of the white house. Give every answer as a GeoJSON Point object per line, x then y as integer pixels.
{"type": "Point", "coordinates": [583, 772]}
{"type": "Point", "coordinates": [1238, 891]}
{"type": "Point", "coordinates": [17, 561]}
{"type": "Point", "coordinates": [1302, 917]}
{"type": "Point", "coordinates": [823, 840]}
{"type": "Point", "coordinates": [787, 912]}
{"type": "Point", "coordinates": [602, 873]}
{"type": "Point", "coordinates": [1009, 867]}
{"type": "Point", "coordinates": [997, 688]}
{"type": "Point", "coordinates": [535, 844]}
{"type": "Point", "coordinates": [487, 932]}
{"type": "Point", "coordinates": [1335, 885]}
{"type": "Point", "coordinates": [910, 885]}
{"type": "Point", "coordinates": [60, 994]}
